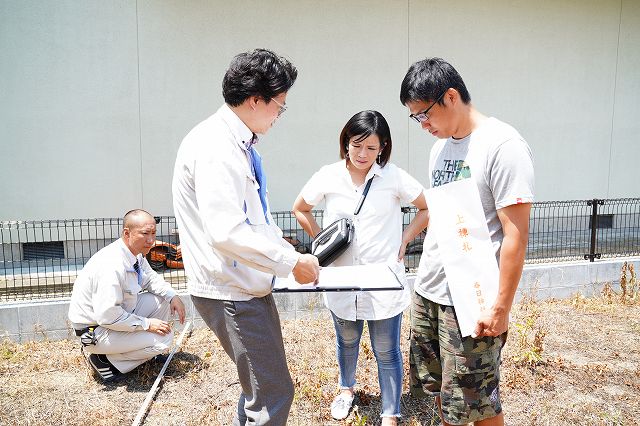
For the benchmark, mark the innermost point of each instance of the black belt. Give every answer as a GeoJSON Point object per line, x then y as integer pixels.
{"type": "Point", "coordinates": [84, 330]}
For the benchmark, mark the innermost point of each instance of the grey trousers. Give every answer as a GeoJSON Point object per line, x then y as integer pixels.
{"type": "Point", "coordinates": [250, 334]}
{"type": "Point", "coordinates": [128, 349]}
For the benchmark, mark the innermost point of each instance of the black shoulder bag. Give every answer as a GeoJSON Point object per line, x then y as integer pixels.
{"type": "Point", "coordinates": [333, 240]}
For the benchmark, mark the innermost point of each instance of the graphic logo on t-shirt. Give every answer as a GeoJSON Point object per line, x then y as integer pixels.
{"type": "Point", "coordinates": [452, 170]}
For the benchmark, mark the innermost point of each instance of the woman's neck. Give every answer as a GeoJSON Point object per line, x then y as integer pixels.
{"type": "Point", "coordinates": [357, 175]}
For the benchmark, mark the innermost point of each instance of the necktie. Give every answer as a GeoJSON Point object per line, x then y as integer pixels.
{"type": "Point", "coordinates": [256, 163]}
{"type": "Point", "coordinates": [136, 267]}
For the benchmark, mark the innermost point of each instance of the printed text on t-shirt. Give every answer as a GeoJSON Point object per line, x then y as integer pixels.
{"type": "Point", "coordinates": [452, 170]}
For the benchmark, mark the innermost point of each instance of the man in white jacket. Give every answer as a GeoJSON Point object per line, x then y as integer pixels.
{"type": "Point", "coordinates": [120, 327]}
{"type": "Point", "coordinates": [231, 247]}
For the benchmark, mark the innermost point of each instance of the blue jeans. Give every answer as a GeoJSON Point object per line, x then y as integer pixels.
{"type": "Point", "coordinates": [385, 342]}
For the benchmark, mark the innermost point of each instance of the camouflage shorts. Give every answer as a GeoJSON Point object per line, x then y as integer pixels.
{"type": "Point", "coordinates": [463, 371]}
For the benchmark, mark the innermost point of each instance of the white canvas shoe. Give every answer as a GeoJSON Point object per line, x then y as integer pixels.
{"type": "Point", "coordinates": [341, 406]}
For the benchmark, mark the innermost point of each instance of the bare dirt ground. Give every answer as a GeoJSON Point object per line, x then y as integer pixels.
{"type": "Point", "coordinates": [567, 362]}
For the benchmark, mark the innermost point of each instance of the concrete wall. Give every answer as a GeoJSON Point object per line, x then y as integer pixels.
{"type": "Point", "coordinates": [26, 321]}
{"type": "Point", "coordinates": [47, 319]}
{"type": "Point", "coordinates": [564, 73]}
{"type": "Point", "coordinates": [70, 109]}
{"type": "Point", "coordinates": [96, 96]}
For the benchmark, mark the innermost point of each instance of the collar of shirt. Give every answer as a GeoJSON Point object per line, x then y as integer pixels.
{"type": "Point", "coordinates": [241, 133]}
{"type": "Point", "coordinates": [248, 144]}
{"type": "Point", "coordinates": [129, 258]}
{"type": "Point", "coordinates": [374, 170]}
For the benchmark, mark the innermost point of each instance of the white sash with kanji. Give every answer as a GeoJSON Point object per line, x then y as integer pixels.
{"type": "Point", "coordinates": [457, 219]}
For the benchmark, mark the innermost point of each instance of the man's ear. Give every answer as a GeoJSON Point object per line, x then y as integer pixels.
{"type": "Point", "coordinates": [126, 233]}
{"type": "Point", "coordinates": [452, 95]}
{"type": "Point", "coordinates": [253, 102]}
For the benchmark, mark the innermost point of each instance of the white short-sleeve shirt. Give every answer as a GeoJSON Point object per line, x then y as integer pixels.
{"type": "Point", "coordinates": [378, 231]}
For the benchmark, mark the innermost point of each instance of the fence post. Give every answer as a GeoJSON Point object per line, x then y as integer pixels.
{"type": "Point", "coordinates": [594, 229]}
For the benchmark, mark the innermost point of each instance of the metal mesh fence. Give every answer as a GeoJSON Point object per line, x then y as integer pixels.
{"type": "Point", "coordinates": [40, 259]}
{"type": "Point", "coordinates": [618, 228]}
{"type": "Point", "coordinates": [583, 229]}
{"type": "Point", "coordinates": [558, 231]}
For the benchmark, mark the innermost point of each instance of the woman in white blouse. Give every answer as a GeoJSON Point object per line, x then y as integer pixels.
{"type": "Point", "coordinates": [365, 149]}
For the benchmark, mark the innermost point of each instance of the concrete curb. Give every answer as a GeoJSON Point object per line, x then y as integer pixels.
{"type": "Point", "coordinates": [47, 319]}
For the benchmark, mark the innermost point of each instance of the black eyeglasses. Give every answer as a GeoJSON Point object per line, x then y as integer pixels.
{"type": "Point", "coordinates": [423, 116]}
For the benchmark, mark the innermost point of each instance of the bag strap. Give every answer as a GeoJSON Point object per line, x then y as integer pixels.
{"type": "Point", "coordinates": [364, 195]}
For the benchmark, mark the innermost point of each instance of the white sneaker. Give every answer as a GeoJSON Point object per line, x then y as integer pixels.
{"type": "Point", "coordinates": [341, 406]}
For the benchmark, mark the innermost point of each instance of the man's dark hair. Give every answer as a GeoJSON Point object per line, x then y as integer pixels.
{"type": "Point", "coordinates": [258, 73]}
{"type": "Point", "coordinates": [428, 79]}
{"type": "Point", "coordinates": [361, 126]}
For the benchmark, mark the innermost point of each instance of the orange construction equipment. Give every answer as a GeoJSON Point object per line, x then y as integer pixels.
{"type": "Point", "coordinates": [165, 255]}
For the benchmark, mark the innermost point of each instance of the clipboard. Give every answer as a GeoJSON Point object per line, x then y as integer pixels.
{"type": "Point", "coordinates": [373, 277]}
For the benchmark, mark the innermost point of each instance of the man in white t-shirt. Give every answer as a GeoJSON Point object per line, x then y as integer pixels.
{"type": "Point", "coordinates": [463, 372]}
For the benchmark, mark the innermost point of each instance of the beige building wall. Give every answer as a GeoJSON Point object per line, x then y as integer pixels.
{"type": "Point", "coordinates": [564, 73]}
{"type": "Point", "coordinates": [96, 96]}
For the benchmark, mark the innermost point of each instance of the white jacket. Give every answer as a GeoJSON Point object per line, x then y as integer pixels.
{"type": "Point", "coordinates": [106, 290]}
{"type": "Point", "coordinates": [230, 252]}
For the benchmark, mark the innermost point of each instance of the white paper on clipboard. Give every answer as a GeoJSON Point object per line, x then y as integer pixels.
{"type": "Point", "coordinates": [457, 219]}
{"type": "Point", "coordinates": [378, 276]}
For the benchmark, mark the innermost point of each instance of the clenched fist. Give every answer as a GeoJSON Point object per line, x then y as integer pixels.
{"type": "Point", "coordinates": [307, 269]}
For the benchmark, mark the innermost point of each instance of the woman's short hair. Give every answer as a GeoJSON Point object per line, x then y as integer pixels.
{"type": "Point", "coordinates": [258, 73]}
{"type": "Point", "coordinates": [361, 126]}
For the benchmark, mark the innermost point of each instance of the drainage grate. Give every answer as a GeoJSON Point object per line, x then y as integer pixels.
{"type": "Point", "coordinates": [43, 250]}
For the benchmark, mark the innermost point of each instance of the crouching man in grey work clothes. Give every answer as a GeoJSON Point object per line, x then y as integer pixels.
{"type": "Point", "coordinates": [230, 244]}
{"type": "Point", "coordinates": [120, 327]}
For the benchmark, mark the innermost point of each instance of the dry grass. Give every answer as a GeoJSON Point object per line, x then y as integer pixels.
{"type": "Point", "coordinates": [566, 362]}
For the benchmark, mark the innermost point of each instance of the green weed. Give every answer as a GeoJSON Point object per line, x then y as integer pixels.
{"type": "Point", "coordinates": [612, 419]}
{"type": "Point", "coordinates": [530, 333]}
{"type": "Point", "coordinates": [9, 351]}
{"type": "Point", "coordinates": [358, 420]}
